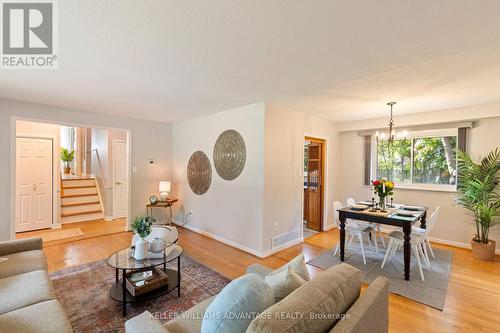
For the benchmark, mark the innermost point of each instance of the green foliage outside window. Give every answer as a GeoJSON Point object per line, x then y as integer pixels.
{"type": "Point", "coordinates": [434, 160]}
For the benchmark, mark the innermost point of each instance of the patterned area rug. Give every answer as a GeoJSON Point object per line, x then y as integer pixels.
{"type": "Point", "coordinates": [83, 291]}
{"type": "Point", "coordinates": [431, 292]}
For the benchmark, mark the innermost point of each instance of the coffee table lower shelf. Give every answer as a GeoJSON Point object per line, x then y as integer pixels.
{"type": "Point", "coordinates": [117, 290]}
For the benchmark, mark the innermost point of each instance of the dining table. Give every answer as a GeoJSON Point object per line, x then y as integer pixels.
{"type": "Point", "coordinates": [402, 216]}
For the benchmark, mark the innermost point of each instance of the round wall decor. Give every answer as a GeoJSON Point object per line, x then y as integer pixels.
{"type": "Point", "coordinates": [230, 154]}
{"type": "Point", "coordinates": [199, 172]}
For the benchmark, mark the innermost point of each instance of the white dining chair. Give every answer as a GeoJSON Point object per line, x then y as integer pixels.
{"type": "Point", "coordinates": [418, 243]}
{"type": "Point", "coordinates": [352, 231]}
{"type": "Point", "coordinates": [351, 202]}
{"type": "Point", "coordinates": [428, 228]}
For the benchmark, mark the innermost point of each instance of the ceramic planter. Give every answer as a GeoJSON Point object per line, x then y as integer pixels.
{"type": "Point", "coordinates": [141, 249]}
{"type": "Point", "coordinates": [484, 251]}
{"type": "Point", "coordinates": [67, 170]}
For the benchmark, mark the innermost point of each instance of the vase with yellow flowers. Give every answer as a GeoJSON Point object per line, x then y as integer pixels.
{"type": "Point", "coordinates": [383, 188]}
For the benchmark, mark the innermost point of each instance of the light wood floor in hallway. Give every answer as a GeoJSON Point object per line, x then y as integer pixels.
{"type": "Point", "coordinates": [472, 303]}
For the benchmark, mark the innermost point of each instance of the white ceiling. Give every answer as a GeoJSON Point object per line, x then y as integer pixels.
{"type": "Point", "coordinates": [341, 60]}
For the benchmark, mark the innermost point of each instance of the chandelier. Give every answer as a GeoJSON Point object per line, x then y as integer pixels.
{"type": "Point", "coordinates": [391, 135]}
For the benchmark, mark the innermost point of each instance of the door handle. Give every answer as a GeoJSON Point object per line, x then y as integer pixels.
{"type": "Point", "coordinates": [118, 183]}
{"type": "Point", "coordinates": [34, 187]}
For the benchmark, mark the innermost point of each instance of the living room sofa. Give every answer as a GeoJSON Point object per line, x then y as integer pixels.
{"type": "Point", "coordinates": [331, 302]}
{"type": "Point", "coordinates": [28, 302]}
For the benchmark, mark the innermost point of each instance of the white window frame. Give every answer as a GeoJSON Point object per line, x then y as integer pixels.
{"type": "Point", "coordinates": [411, 136]}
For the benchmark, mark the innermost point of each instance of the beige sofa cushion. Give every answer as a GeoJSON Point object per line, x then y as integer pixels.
{"type": "Point", "coordinates": [47, 316]}
{"type": "Point", "coordinates": [190, 320]}
{"type": "Point", "coordinates": [321, 301]}
{"type": "Point", "coordinates": [23, 262]}
{"type": "Point", "coordinates": [23, 290]}
{"type": "Point", "coordinates": [298, 265]}
{"type": "Point", "coordinates": [283, 283]}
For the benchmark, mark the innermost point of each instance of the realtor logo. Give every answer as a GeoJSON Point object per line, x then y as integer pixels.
{"type": "Point", "coordinates": [28, 34]}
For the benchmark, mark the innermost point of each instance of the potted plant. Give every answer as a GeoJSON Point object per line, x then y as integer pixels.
{"type": "Point", "coordinates": [382, 188]}
{"type": "Point", "coordinates": [478, 192]}
{"type": "Point", "coordinates": [67, 158]}
{"type": "Point", "coordinates": [142, 227]}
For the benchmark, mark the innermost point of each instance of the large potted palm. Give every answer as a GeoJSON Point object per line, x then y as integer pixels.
{"type": "Point", "coordinates": [478, 191]}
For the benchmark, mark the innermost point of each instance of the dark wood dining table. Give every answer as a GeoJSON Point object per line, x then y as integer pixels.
{"type": "Point", "coordinates": [388, 218]}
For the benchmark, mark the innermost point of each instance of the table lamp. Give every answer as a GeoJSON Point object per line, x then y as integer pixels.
{"type": "Point", "coordinates": [164, 189]}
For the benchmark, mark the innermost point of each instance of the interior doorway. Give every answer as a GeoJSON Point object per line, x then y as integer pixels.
{"type": "Point", "coordinates": [66, 180]}
{"type": "Point", "coordinates": [314, 166]}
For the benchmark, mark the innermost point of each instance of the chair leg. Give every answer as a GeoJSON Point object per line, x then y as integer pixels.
{"type": "Point", "coordinates": [379, 230]}
{"type": "Point", "coordinates": [375, 242]}
{"type": "Point", "coordinates": [430, 248]}
{"type": "Point", "coordinates": [415, 248]}
{"type": "Point", "coordinates": [426, 255]}
{"type": "Point", "coordinates": [394, 249]}
{"type": "Point", "coordinates": [362, 248]}
{"type": "Point", "coordinates": [350, 241]}
{"type": "Point", "coordinates": [336, 250]}
{"type": "Point", "coordinates": [387, 252]}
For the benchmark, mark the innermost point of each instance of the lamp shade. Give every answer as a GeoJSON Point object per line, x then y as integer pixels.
{"type": "Point", "coordinates": [165, 186]}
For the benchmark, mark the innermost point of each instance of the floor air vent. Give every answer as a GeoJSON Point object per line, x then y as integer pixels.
{"type": "Point", "coordinates": [285, 238]}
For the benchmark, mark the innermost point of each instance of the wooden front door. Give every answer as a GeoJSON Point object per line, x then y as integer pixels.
{"type": "Point", "coordinates": [313, 185]}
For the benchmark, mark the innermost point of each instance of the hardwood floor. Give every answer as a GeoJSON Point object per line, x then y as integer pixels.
{"type": "Point", "coordinates": [90, 229]}
{"type": "Point", "coordinates": [472, 302]}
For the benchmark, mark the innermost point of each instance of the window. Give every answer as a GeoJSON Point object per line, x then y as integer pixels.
{"type": "Point", "coordinates": [425, 160]}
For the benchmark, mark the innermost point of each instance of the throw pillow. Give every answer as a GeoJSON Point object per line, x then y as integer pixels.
{"type": "Point", "coordinates": [298, 265]}
{"type": "Point", "coordinates": [283, 283]}
{"type": "Point", "coordinates": [237, 305]}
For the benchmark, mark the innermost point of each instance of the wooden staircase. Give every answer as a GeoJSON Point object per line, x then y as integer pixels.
{"type": "Point", "coordinates": [80, 199]}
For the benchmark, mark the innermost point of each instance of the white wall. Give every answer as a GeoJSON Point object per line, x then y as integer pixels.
{"type": "Point", "coordinates": [455, 225]}
{"type": "Point", "coordinates": [285, 130]}
{"type": "Point", "coordinates": [230, 210]}
{"type": "Point", "coordinates": [149, 140]}
{"type": "Point", "coordinates": [283, 169]}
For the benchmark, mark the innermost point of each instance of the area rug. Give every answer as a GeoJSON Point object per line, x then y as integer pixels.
{"type": "Point", "coordinates": [83, 291]}
{"type": "Point", "coordinates": [431, 292]}
{"type": "Point", "coordinates": [55, 235]}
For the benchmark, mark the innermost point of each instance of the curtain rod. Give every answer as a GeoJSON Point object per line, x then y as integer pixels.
{"type": "Point", "coordinates": [414, 128]}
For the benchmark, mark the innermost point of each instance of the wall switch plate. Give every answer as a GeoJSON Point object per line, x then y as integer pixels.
{"type": "Point", "coordinates": [275, 227]}
{"type": "Point", "coordinates": [134, 169]}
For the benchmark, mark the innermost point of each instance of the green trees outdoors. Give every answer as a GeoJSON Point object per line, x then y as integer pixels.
{"type": "Point", "coordinates": [434, 160]}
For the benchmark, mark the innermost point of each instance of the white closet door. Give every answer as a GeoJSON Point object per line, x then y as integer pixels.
{"type": "Point", "coordinates": [33, 184]}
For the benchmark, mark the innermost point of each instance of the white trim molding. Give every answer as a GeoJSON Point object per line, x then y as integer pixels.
{"type": "Point", "coordinates": [455, 244]}
{"type": "Point", "coordinates": [256, 253]}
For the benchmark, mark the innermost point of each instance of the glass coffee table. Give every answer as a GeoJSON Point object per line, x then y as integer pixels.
{"type": "Point", "coordinates": [124, 261]}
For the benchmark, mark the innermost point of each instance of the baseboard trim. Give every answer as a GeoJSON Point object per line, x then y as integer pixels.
{"type": "Point", "coordinates": [443, 241]}
{"type": "Point", "coordinates": [253, 252]}
{"type": "Point", "coordinates": [455, 244]}
{"type": "Point", "coordinates": [329, 227]}
{"type": "Point", "coordinates": [108, 218]}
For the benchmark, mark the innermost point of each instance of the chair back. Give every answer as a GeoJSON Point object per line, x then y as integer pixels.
{"type": "Point", "coordinates": [431, 222]}
{"type": "Point", "coordinates": [336, 206]}
{"type": "Point", "coordinates": [169, 234]}
{"type": "Point", "coordinates": [351, 202]}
